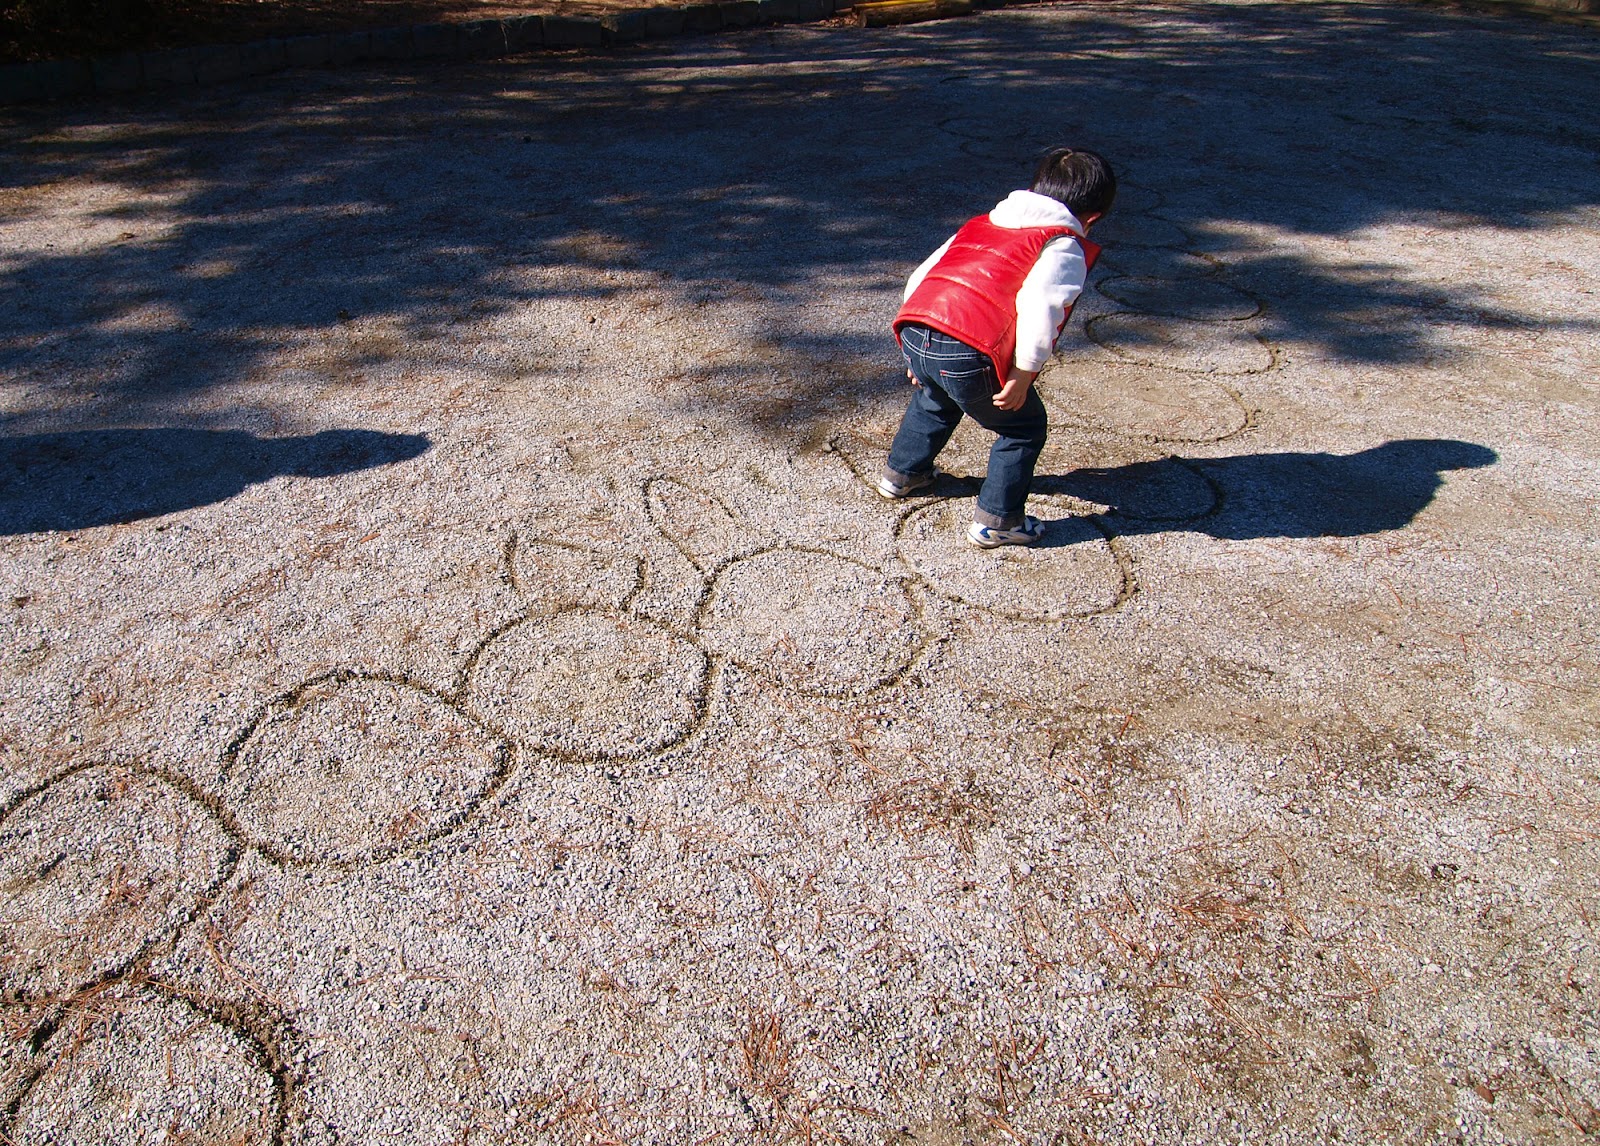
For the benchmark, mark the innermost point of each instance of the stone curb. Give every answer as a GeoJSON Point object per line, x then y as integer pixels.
{"type": "Point", "coordinates": [132, 72]}
{"type": "Point", "coordinates": [467, 40]}
{"type": "Point", "coordinates": [1580, 12]}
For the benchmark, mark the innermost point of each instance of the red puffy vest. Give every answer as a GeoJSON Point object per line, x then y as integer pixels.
{"type": "Point", "coordinates": [971, 292]}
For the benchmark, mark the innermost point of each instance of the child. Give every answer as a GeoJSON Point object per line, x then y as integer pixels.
{"type": "Point", "coordinates": [980, 319]}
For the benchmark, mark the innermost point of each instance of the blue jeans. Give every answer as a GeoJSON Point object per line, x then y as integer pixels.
{"type": "Point", "coordinates": [954, 380]}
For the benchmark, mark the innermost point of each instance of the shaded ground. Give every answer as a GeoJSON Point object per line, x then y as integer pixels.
{"type": "Point", "coordinates": [457, 682]}
{"type": "Point", "coordinates": [59, 29]}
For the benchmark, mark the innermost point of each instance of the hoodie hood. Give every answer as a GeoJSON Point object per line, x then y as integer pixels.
{"type": "Point", "coordinates": [1030, 209]}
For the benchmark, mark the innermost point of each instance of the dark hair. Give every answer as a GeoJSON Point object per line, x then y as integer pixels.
{"type": "Point", "coordinates": [1081, 179]}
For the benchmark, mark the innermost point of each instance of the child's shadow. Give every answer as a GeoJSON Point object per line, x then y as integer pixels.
{"type": "Point", "coordinates": [1268, 495]}
{"type": "Point", "coordinates": [78, 479]}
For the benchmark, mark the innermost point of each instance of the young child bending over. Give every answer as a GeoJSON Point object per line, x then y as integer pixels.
{"type": "Point", "coordinates": [980, 319]}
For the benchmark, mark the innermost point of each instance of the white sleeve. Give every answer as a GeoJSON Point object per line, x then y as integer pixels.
{"type": "Point", "coordinates": [1052, 286]}
{"type": "Point", "coordinates": [927, 265]}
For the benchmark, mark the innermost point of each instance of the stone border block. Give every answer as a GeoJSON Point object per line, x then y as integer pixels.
{"type": "Point", "coordinates": [308, 51]}
{"type": "Point", "coordinates": [124, 73]}
{"type": "Point", "coordinates": [263, 57]}
{"type": "Point", "coordinates": [625, 27]}
{"type": "Point", "coordinates": [391, 44]}
{"type": "Point", "coordinates": [524, 33]}
{"type": "Point", "coordinates": [740, 13]}
{"type": "Point", "coordinates": [433, 41]}
{"type": "Point", "coordinates": [173, 68]}
{"type": "Point", "coordinates": [572, 32]}
{"type": "Point", "coordinates": [218, 64]}
{"type": "Point", "coordinates": [350, 48]}
{"type": "Point", "coordinates": [483, 39]}
{"type": "Point", "coordinates": [779, 11]}
{"type": "Point", "coordinates": [702, 18]}
{"type": "Point", "coordinates": [663, 22]}
{"type": "Point", "coordinates": [51, 79]}
{"type": "Point", "coordinates": [16, 84]}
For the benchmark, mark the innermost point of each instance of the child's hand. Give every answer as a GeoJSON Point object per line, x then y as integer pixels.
{"type": "Point", "coordinates": [912, 378]}
{"type": "Point", "coordinates": [1015, 392]}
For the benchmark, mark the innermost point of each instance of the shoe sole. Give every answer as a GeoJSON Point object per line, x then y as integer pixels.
{"type": "Point", "coordinates": [888, 493]}
{"type": "Point", "coordinates": [983, 543]}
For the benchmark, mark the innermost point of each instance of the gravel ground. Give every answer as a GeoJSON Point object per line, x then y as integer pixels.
{"type": "Point", "coordinates": [458, 686]}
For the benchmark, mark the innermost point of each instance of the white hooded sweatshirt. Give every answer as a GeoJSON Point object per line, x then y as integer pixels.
{"type": "Point", "coordinates": [1052, 286]}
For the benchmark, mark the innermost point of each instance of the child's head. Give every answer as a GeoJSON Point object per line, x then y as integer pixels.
{"type": "Point", "coordinates": [1082, 180]}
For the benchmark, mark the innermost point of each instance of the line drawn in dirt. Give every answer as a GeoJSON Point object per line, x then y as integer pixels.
{"type": "Point", "coordinates": [203, 1071]}
{"type": "Point", "coordinates": [86, 897]}
{"type": "Point", "coordinates": [1184, 328]}
{"type": "Point", "coordinates": [91, 901]}
{"type": "Point", "coordinates": [342, 732]}
{"type": "Point", "coordinates": [578, 675]}
{"type": "Point", "coordinates": [820, 623]}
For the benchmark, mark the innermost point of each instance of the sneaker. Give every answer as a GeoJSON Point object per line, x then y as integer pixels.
{"type": "Point", "coordinates": [987, 537]}
{"type": "Point", "coordinates": [896, 488]}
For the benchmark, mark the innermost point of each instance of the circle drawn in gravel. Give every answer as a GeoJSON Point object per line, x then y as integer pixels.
{"type": "Point", "coordinates": [1167, 405]}
{"type": "Point", "coordinates": [1072, 571]}
{"type": "Point", "coordinates": [1000, 150]}
{"type": "Point", "coordinates": [553, 575]}
{"type": "Point", "coordinates": [812, 621]}
{"type": "Point", "coordinates": [1165, 489]}
{"type": "Point", "coordinates": [1128, 230]}
{"type": "Point", "coordinates": [987, 139]}
{"type": "Point", "coordinates": [1201, 300]}
{"type": "Point", "coordinates": [971, 127]}
{"type": "Point", "coordinates": [591, 685]}
{"type": "Point", "coordinates": [1181, 344]}
{"type": "Point", "coordinates": [352, 768]}
{"type": "Point", "coordinates": [1158, 263]}
{"type": "Point", "coordinates": [150, 1068]}
{"type": "Point", "coordinates": [95, 868]}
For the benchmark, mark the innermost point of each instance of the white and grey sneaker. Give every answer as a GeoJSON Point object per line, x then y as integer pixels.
{"type": "Point", "coordinates": [988, 537]}
{"type": "Point", "coordinates": [895, 487]}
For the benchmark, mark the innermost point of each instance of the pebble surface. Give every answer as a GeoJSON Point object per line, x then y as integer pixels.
{"type": "Point", "coordinates": [458, 683]}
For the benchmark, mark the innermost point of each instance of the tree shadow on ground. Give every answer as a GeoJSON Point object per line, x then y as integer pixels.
{"type": "Point", "coordinates": [1273, 495]}
{"type": "Point", "coordinates": [765, 180]}
{"type": "Point", "coordinates": [79, 479]}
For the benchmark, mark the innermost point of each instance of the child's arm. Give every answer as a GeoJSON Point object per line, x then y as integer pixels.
{"type": "Point", "coordinates": [1043, 303]}
{"type": "Point", "coordinates": [1044, 300]}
